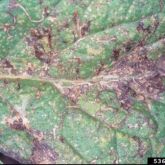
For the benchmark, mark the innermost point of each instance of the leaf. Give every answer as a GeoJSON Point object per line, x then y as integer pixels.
{"type": "Point", "coordinates": [82, 81]}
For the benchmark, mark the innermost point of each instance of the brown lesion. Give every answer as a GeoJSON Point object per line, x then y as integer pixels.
{"type": "Point", "coordinates": [42, 153]}
{"type": "Point", "coordinates": [142, 148]}
{"type": "Point", "coordinates": [140, 78]}
{"type": "Point", "coordinates": [147, 31]}
{"type": "Point", "coordinates": [7, 64]}
{"type": "Point", "coordinates": [17, 121]}
{"type": "Point", "coordinates": [81, 29]}
{"type": "Point", "coordinates": [129, 45]}
{"type": "Point", "coordinates": [116, 54]}
{"type": "Point", "coordinates": [100, 68]}
{"type": "Point", "coordinates": [40, 40]}
{"type": "Point", "coordinates": [7, 27]}
{"type": "Point", "coordinates": [7, 67]}
{"type": "Point", "coordinates": [132, 77]}
{"type": "Point", "coordinates": [74, 92]}
{"type": "Point", "coordinates": [41, 33]}
{"type": "Point", "coordinates": [124, 94]}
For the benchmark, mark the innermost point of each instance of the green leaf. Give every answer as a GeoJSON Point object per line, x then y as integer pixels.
{"type": "Point", "coordinates": [82, 81]}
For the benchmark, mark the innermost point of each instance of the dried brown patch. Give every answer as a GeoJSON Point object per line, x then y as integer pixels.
{"type": "Point", "coordinates": [148, 30]}
{"type": "Point", "coordinates": [36, 134]}
{"type": "Point", "coordinates": [129, 45]}
{"type": "Point", "coordinates": [141, 147]}
{"type": "Point", "coordinates": [17, 123]}
{"type": "Point", "coordinates": [133, 77]}
{"type": "Point", "coordinates": [101, 68]}
{"type": "Point", "coordinates": [43, 153]}
{"type": "Point", "coordinates": [30, 68]}
{"type": "Point", "coordinates": [73, 93]}
{"type": "Point", "coordinates": [41, 41]}
{"type": "Point", "coordinates": [80, 29]}
{"type": "Point", "coordinates": [139, 78]}
{"type": "Point", "coordinates": [7, 65]}
{"type": "Point", "coordinates": [116, 54]}
{"type": "Point", "coordinates": [62, 139]}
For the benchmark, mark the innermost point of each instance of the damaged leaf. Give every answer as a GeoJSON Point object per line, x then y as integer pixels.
{"type": "Point", "coordinates": [82, 81]}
